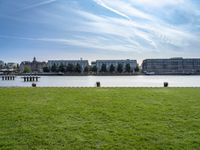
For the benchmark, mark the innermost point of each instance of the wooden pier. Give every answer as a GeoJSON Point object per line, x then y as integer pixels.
{"type": "Point", "coordinates": [8, 77]}
{"type": "Point", "coordinates": [31, 78]}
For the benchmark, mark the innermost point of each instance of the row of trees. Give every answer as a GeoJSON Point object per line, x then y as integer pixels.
{"type": "Point", "coordinates": [118, 69]}
{"type": "Point", "coordinates": [77, 68]}
{"type": "Point", "coordinates": [69, 68]}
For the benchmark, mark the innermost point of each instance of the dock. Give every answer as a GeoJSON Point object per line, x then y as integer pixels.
{"type": "Point", "coordinates": [30, 78]}
{"type": "Point", "coordinates": [8, 77]}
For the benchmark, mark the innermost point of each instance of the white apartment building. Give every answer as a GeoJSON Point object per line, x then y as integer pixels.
{"type": "Point", "coordinates": [115, 63]}
{"type": "Point", "coordinates": [82, 63]}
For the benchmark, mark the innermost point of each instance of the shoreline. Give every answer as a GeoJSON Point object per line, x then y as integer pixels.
{"type": "Point", "coordinates": [140, 74]}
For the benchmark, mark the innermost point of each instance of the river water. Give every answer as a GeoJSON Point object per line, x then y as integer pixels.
{"type": "Point", "coordinates": [107, 81]}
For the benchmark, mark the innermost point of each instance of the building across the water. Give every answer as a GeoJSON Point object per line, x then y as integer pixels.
{"type": "Point", "coordinates": [34, 66]}
{"type": "Point", "coordinates": [115, 66]}
{"type": "Point", "coordinates": [11, 65]}
{"type": "Point", "coordinates": [1, 64]}
{"type": "Point", "coordinates": [171, 66]}
{"type": "Point", "coordinates": [83, 64]}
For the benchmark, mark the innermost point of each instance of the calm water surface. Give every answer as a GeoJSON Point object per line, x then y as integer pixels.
{"type": "Point", "coordinates": [107, 81]}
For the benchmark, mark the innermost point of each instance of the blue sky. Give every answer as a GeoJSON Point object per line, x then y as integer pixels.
{"type": "Point", "coordinates": [99, 29]}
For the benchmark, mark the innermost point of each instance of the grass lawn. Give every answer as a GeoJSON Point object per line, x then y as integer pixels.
{"type": "Point", "coordinates": [100, 118]}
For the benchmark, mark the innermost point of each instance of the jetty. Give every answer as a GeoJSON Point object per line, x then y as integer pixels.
{"type": "Point", "coordinates": [8, 77]}
{"type": "Point", "coordinates": [30, 78]}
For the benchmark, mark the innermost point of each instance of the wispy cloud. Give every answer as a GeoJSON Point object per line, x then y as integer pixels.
{"type": "Point", "coordinates": [123, 9]}
{"type": "Point", "coordinates": [137, 26]}
{"type": "Point", "coordinates": [152, 35]}
{"type": "Point", "coordinates": [158, 3]}
{"type": "Point", "coordinates": [97, 43]}
{"type": "Point", "coordinates": [38, 4]}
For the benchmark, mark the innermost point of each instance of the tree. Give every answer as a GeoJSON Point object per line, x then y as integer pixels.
{"type": "Point", "coordinates": [78, 68]}
{"type": "Point", "coordinates": [112, 68]}
{"type": "Point", "coordinates": [46, 69]}
{"type": "Point", "coordinates": [120, 68]}
{"type": "Point", "coordinates": [94, 69]}
{"type": "Point", "coordinates": [137, 69]}
{"type": "Point", "coordinates": [70, 68]}
{"type": "Point", "coordinates": [86, 69]}
{"type": "Point", "coordinates": [61, 68]}
{"type": "Point", "coordinates": [103, 68]}
{"type": "Point", "coordinates": [54, 68]}
{"type": "Point", "coordinates": [128, 68]}
{"type": "Point", "coordinates": [27, 69]}
{"type": "Point", "coordinates": [17, 67]}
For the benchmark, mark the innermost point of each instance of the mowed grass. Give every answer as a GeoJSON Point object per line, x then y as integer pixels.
{"type": "Point", "coordinates": [100, 118]}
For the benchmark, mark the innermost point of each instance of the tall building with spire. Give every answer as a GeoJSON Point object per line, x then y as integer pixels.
{"type": "Point", "coordinates": [34, 66]}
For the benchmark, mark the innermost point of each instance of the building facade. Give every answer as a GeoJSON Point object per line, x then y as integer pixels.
{"type": "Point", "coordinates": [1, 64]}
{"type": "Point", "coordinates": [171, 66]}
{"type": "Point", "coordinates": [83, 63]}
{"type": "Point", "coordinates": [115, 64]}
{"type": "Point", "coordinates": [11, 65]}
{"type": "Point", "coordinates": [34, 66]}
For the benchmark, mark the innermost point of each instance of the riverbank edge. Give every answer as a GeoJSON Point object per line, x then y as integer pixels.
{"type": "Point", "coordinates": [104, 87]}
{"type": "Point", "coordinates": [137, 74]}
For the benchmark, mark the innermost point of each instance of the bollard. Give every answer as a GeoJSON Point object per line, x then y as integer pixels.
{"type": "Point", "coordinates": [33, 84]}
{"type": "Point", "coordinates": [98, 84]}
{"type": "Point", "coordinates": [166, 84]}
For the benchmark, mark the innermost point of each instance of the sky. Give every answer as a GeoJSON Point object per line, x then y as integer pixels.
{"type": "Point", "coordinates": [98, 29]}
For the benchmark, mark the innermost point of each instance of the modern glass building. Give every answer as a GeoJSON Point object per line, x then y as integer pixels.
{"type": "Point", "coordinates": [171, 66]}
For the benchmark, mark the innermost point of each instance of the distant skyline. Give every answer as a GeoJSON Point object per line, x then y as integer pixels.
{"type": "Point", "coordinates": [99, 29]}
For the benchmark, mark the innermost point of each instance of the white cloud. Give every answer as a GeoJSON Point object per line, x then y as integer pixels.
{"type": "Point", "coordinates": [136, 32]}
{"type": "Point", "coordinates": [133, 30]}
{"type": "Point", "coordinates": [158, 3]}
{"type": "Point", "coordinates": [123, 9]}
{"type": "Point", "coordinates": [41, 3]}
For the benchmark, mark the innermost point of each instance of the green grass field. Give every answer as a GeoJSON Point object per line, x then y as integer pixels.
{"type": "Point", "coordinates": [100, 118]}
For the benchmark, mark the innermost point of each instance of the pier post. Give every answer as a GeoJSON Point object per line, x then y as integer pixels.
{"type": "Point", "coordinates": [30, 78]}
{"type": "Point", "coordinates": [166, 84]}
{"type": "Point", "coordinates": [98, 84]}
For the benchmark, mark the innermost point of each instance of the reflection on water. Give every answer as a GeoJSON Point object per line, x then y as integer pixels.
{"type": "Point", "coordinates": [107, 81]}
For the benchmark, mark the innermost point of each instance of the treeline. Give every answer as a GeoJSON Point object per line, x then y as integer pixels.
{"type": "Point", "coordinates": [64, 69]}
{"type": "Point", "coordinates": [70, 68]}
